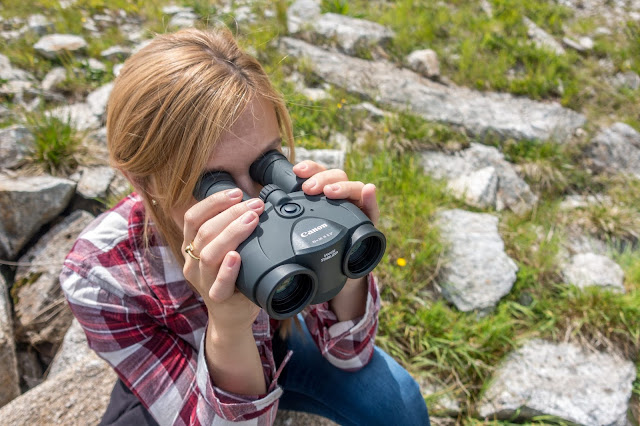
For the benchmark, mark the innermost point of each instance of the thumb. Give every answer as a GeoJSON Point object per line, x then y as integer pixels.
{"type": "Point", "coordinates": [225, 284]}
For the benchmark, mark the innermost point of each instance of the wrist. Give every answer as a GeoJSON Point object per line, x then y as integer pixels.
{"type": "Point", "coordinates": [227, 335]}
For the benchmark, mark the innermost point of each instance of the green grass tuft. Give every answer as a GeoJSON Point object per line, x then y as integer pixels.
{"type": "Point", "coordinates": [56, 143]}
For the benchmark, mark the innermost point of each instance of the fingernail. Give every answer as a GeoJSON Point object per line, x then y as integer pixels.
{"type": "Point", "coordinates": [230, 262]}
{"type": "Point", "coordinates": [335, 187]}
{"type": "Point", "coordinates": [234, 193]}
{"type": "Point", "coordinates": [254, 204]}
{"type": "Point", "coordinates": [301, 166]}
{"type": "Point", "coordinates": [310, 184]}
{"type": "Point", "coordinates": [248, 217]}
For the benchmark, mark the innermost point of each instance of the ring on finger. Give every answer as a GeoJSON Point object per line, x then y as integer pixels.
{"type": "Point", "coordinates": [189, 250]}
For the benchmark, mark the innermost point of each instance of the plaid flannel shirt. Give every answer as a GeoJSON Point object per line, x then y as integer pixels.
{"type": "Point", "coordinates": [141, 316]}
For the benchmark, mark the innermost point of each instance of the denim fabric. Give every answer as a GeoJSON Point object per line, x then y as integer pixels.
{"type": "Point", "coordinates": [381, 393]}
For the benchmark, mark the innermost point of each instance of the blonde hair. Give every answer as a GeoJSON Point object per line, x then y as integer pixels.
{"type": "Point", "coordinates": [168, 108]}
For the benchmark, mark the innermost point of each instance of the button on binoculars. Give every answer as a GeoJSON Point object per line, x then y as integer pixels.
{"type": "Point", "coordinates": [305, 246]}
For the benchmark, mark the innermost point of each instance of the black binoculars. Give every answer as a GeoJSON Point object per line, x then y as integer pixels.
{"type": "Point", "coordinates": [305, 247]}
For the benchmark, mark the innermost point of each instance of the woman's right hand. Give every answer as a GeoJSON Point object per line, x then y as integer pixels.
{"type": "Point", "coordinates": [215, 227]}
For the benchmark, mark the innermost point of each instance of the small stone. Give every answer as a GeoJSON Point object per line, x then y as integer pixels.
{"type": "Point", "coordinates": [590, 269]}
{"type": "Point", "coordinates": [95, 182]}
{"type": "Point", "coordinates": [116, 69]}
{"type": "Point", "coordinates": [95, 64]}
{"type": "Point", "coordinates": [626, 80]}
{"type": "Point", "coordinates": [97, 100]}
{"type": "Point", "coordinates": [16, 143]}
{"type": "Point", "coordinates": [78, 115]}
{"type": "Point", "coordinates": [425, 62]}
{"type": "Point", "coordinates": [54, 77]}
{"type": "Point", "coordinates": [315, 94]}
{"type": "Point", "coordinates": [116, 53]}
{"type": "Point", "coordinates": [50, 46]}
{"type": "Point", "coordinates": [183, 20]}
{"type": "Point", "coordinates": [541, 38]}
{"type": "Point", "coordinates": [477, 188]}
{"type": "Point", "coordinates": [39, 24]}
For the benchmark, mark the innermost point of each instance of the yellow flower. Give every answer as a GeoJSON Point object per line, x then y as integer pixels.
{"type": "Point", "coordinates": [343, 101]}
{"type": "Point", "coordinates": [339, 105]}
{"type": "Point", "coordinates": [401, 261]}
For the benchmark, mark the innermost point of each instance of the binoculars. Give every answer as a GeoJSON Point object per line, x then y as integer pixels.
{"type": "Point", "coordinates": [304, 247]}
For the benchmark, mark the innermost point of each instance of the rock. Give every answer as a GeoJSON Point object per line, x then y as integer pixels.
{"type": "Point", "coordinates": [9, 380]}
{"type": "Point", "coordinates": [374, 112]}
{"type": "Point", "coordinates": [562, 380]}
{"type": "Point", "coordinates": [74, 349]}
{"type": "Point", "coordinates": [79, 395]}
{"type": "Point", "coordinates": [572, 202]}
{"type": "Point", "coordinates": [443, 400]}
{"type": "Point", "coordinates": [80, 116]}
{"type": "Point", "coordinates": [541, 38]}
{"type": "Point", "coordinates": [350, 35]}
{"type": "Point", "coordinates": [41, 312]}
{"type": "Point", "coordinates": [95, 182]}
{"type": "Point", "coordinates": [96, 65]}
{"type": "Point", "coordinates": [300, 13]}
{"type": "Point", "coordinates": [461, 170]}
{"type": "Point", "coordinates": [590, 269]}
{"type": "Point", "coordinates": [477, 273]}
{"type": "Point", "coordinates": [174, 10]}
{"type": "Point", "coordinates": [16, 142]}
{"type": "Point", "coordinates": [97, 100]}
{"type": "Point", "coordinates": [583, 44]}
{"type": "Point", "coordinates": [424, 62]}
{"type": "Point", "coordinates": [477, 188]}
{"type": "Point", "coordinates": [330, 158]}
{"type": "Point", "coordinates": [480, 113]}
{"type": "Point", "coordinates": [116, 69]}
{"type": "Point", "coordinates": [183, 20]}
{"type": "Point", "coordinates": [9, 73]}
{"type": "Point", "coordinates": [39, 24]}
{"type": "Point", "coordinates": [617, 149]}
{"type": "Point", "coordinates": [115, 53]}
{"type": "Point", "coordinates": [26, 204]}
{"type": "Point", "coordinates": [54, 77]}
{"type": "Point", "coordinates": [120, 186]}
{"type": "Point", "coordinates": [51, 45]}
{"type": "Point", "coordinates": [315, 94]}
{"type": "Point", "coordinates": [626, 80]}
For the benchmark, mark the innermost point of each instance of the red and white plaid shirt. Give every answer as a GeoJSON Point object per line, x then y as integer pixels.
{"type": "Point", "coordinates": [141, 316]}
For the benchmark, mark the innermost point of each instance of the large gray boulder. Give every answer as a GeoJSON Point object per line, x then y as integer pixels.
{"type": "Point", "coordinates": [302, 12]}
{"type": "Point", "coordinates": [480, 113]}
{"type": "Point", "coordinates": [9, 380]}
{"type": "Point", "coordinates": [15, 144]}
{"type": "Point", "coordinates": [617, 150]}
{"type": "Point", "coordinates": [482, 177]}
{"type": "Point", "coordinates": [78, 396]}
{"type": "Point", "coordinates": [26, 204]}
{"type": "Point", "coordinates": [477, 272]}
{"type": "Point", "coordinates": [563, 380]}
{"type": "Point", "coordinates": [50, 46]}
{"type": "Point", "coordinates": [42, 314]}
{"type": "Point", "coordinates": [74, 349]}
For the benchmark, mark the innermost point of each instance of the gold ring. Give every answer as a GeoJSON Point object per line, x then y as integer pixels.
{"type": "Point", "coordinates": [189, 251]}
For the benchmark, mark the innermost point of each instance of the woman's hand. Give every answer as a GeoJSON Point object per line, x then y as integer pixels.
{"type": "Point", "coordinates": [335, 184]}
{"type": "Point", "coordinates": [215, 227]}
{"type": "Point", "coordinates": [350, 303]}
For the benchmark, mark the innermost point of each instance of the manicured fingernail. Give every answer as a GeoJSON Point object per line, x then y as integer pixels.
{"type": "Point", "coordinates": [254, 204]}
{"type": "Point", "coordinates": [231, 261]}
{"type": "Point", "coordinates": [248, 217]}
{"type": "Point", "coordinates": [234, 193]}
{"type": "Point", "coordinates": [335, 187]}
{"type": "Point", "coordinates": [310, 184]}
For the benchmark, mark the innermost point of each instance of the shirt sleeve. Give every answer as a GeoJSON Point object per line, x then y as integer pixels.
{"type": "Point", "coordinates": [167, 374]}
{"type": "Point", "coordinates": [346, 344]}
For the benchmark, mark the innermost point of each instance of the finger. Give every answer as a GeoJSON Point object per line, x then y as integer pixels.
{"type": "Point", "coordinates": [350, 190]}
{"type": "Point", "coordinates": [215, 225]}
{"type": "Point", "coordinates": [229, 239]}
{"type": "Point", "coordinates": [307, 168]}
{"type": "Point", "coordinates": [369, 203]}
{"type": "Point", "coordinates": [225, 284]}
{"type": "Point", "coordinates": [315, 184]}
{"type": "Point", "coordinates": [205, 209]}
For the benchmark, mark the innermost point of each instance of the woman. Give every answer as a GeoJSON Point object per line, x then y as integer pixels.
{"type": "Point", "coordinates": [152, 281]}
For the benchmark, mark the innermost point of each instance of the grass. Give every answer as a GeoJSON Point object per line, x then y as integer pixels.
{"type": "Point", "coordinates": [458, 351]}
{"type": "Point", "coordinates": [56, 143]}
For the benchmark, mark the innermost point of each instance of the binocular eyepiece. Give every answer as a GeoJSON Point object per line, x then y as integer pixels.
{"type": "Point", "coordinates": [305, 247]}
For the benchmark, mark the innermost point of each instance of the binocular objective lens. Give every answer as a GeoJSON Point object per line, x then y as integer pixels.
{"type": "Point", "coordinates": [291, 293]}
{"type": "Point", "coordinates": [364, 254]}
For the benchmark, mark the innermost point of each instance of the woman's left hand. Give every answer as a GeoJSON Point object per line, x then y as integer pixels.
{"type": "Point", "coordinates": [335, 184]}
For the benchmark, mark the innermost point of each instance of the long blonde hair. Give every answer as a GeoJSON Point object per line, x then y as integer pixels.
{"type": "Point", "coordinates": [168, 108]}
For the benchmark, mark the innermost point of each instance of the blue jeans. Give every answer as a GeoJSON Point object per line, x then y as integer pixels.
{"type": "Point", "coordinates": [381, 393]}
